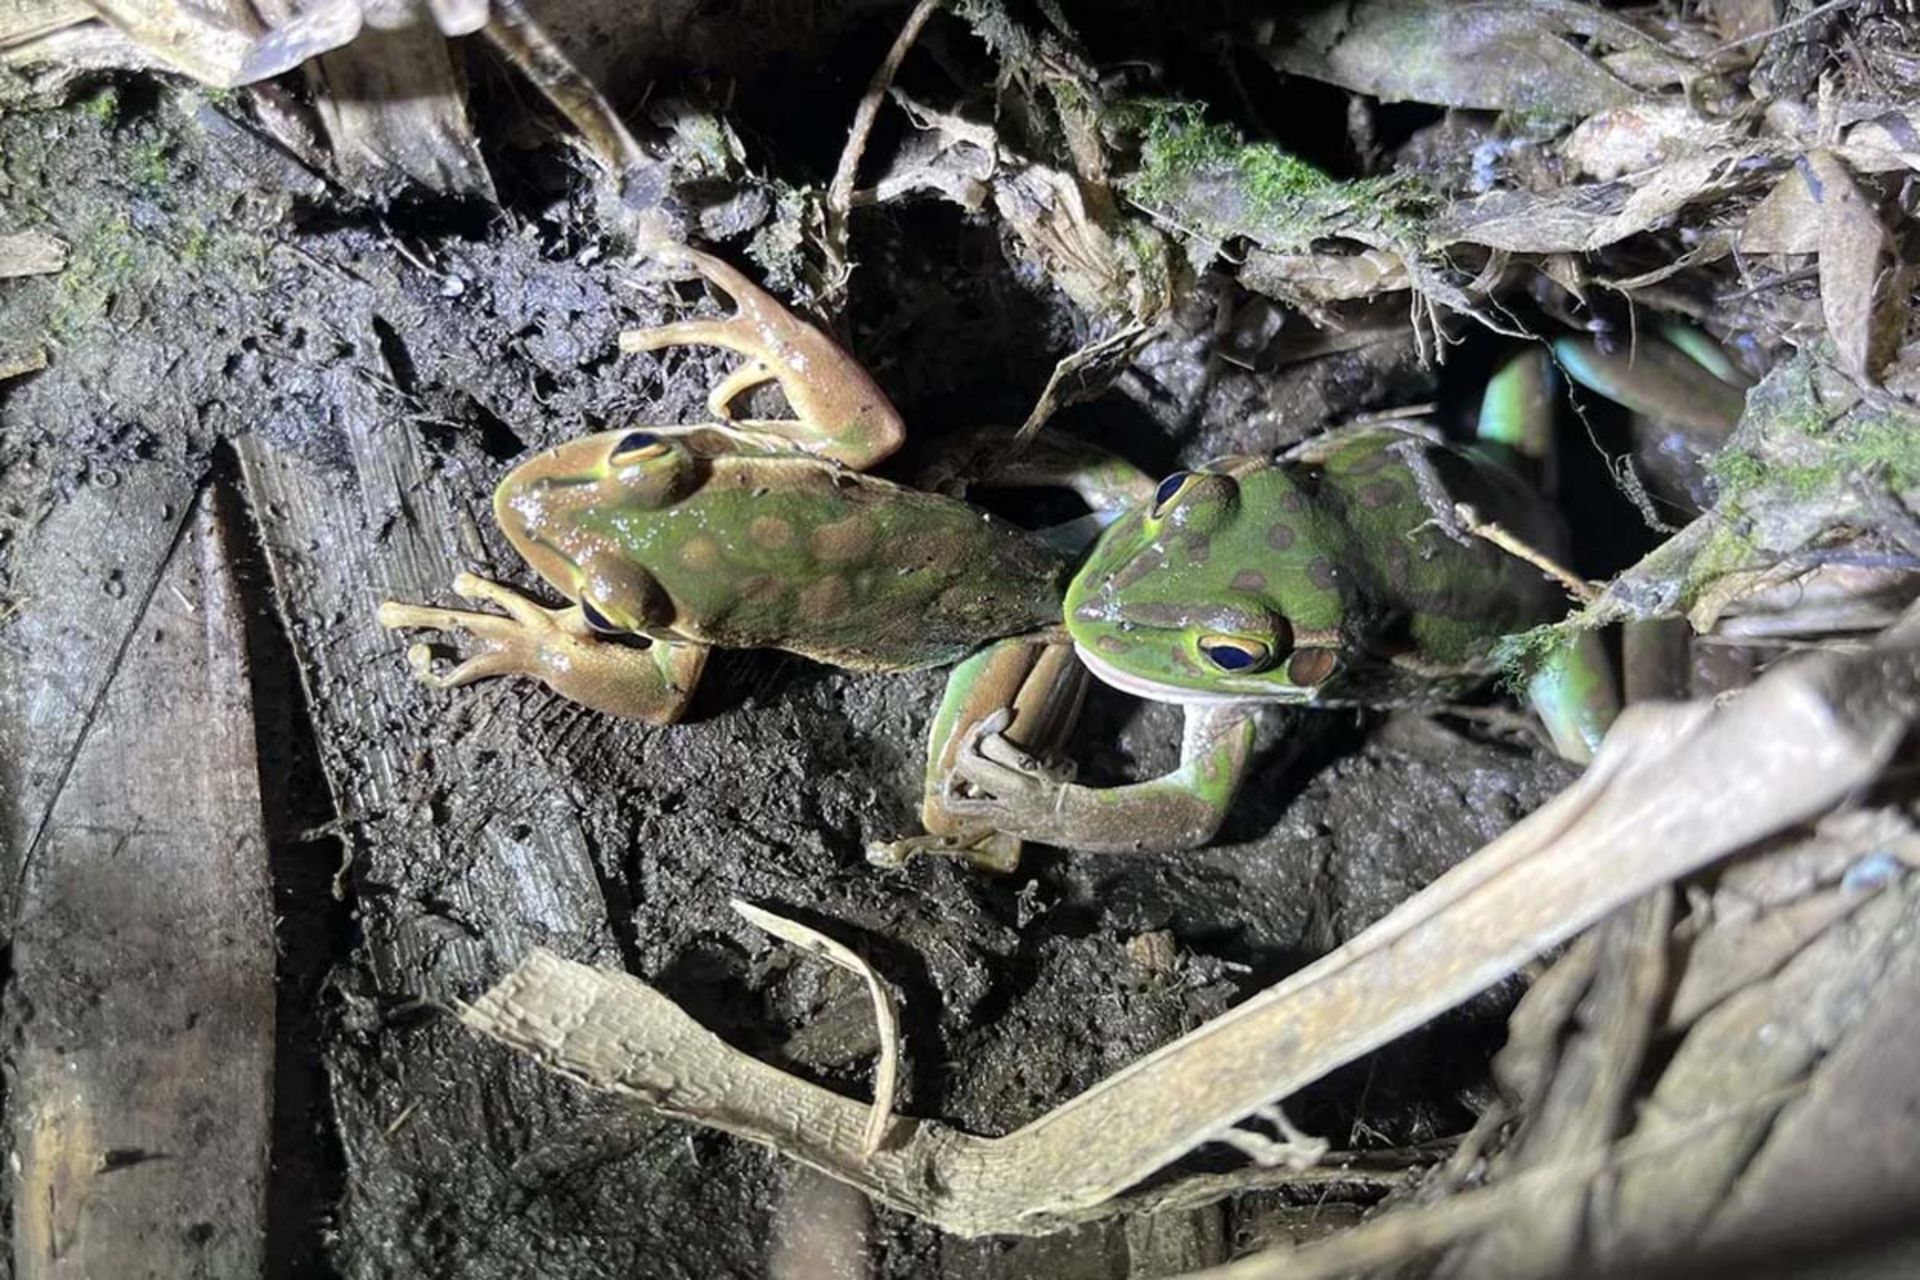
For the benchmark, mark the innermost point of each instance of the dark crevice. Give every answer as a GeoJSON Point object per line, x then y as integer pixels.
{"type": "Point", "coordinates": [313, 931]}
{"type": "Point", "coordinates": [393, 350]}
{"type": "Point", "coordinates": [497, 440]}
{"type": "Point", "coordinates": [616, 893]}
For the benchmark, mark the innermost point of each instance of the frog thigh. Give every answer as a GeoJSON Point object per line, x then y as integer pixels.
{"type": "Point", "coordinates": [993, 456]}
{"type": "Point", "coordinates": [557, 647]}
{"type": "Point", "coordinates": [1574, 694]}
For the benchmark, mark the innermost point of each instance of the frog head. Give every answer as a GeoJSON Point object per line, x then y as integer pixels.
{"type": "Point", "coordinates": [1225, 589]}
{"type": "Point", "coordinates": [578, 511]}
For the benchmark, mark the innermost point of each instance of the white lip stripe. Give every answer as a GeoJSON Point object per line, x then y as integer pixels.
{"type": "Point", "coordinates": [1140, 687]}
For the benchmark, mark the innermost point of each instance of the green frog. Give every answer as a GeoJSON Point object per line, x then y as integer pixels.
{"type": "Point", "coordinates": [1352, 570]}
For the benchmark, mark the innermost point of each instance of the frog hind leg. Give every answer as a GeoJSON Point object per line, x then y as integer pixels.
{"type": "Point", "coordinates": [556, 646]}
{"type": "Point", "coordinates": [1681, 378]}
{"type": "Point", "coordinates": [1517, 408]}
{"type": "Point", "coordinates": [1574, 694]}
{"type": "Point", "coordinates": [1032, 690]}
{"type": "Point", "coordinates": [840, 413]}
{"type": "Point", "coordinates": [1181, 809]}
{"type": "Point", "coordinates": [1573, 691]}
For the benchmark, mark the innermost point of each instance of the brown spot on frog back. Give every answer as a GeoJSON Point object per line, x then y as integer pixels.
{"type": "Point", "coordinates": [841, 540]}
{"type": "Point", "coordinates": [1322, 573]}
{"type": "Point", "coordinates": [825, 599]}
{"type": "Point", "coordinates": [770, 532]}
{"type": "Point", "coordinates": [701, 553]}
{"type": "Point", "coordinates": [1281, 535]}
{"type": "Point", "coordinates": [1365, 463]}
{"type": "Point", "coordinates": [1250, 580]}
{"type": "Point", "coordinates": [1377, 494]}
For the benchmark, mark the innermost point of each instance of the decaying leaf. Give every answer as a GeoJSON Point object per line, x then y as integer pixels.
{"type": "Point", "coordinates": [1631, 139]}
{"type": "Point", "coordinates": [1856, 299]}
{"type": "Point", "coordinates": [1507, 55]}
{"type": "Point", "coordinates": [1799, 955]}
{"type": "Point", "coordinates": [1588, 217]}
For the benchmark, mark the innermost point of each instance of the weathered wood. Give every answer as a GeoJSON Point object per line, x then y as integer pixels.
{"type": "Point", "coordinates": [144, 952]}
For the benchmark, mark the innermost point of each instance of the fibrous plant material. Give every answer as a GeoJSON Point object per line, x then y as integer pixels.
{"type": "Point", "coordinates": [1787, 750]}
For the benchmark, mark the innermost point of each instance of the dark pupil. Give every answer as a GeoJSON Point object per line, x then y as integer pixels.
{"type": "Point", "coordinates": [1230, 657]}
{"type": "Point", "coordinates": [1169, 488]}
{"type": "Point", "coordinates": [635, 440]}
{"type": "Point", "coordinates": [595, 619]}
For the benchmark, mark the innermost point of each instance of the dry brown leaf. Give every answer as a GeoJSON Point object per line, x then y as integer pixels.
{"type": "Point", "coordinates": [1504, 55]}
{"type": "Point", "coordinates": [1852, 241]}
{"type": "Point", "coordinates": [1631, 139]}
{"type": "Point", "coordinates": [1787, 221]}
{"type": "Point", "coordinates": [1581, 219]}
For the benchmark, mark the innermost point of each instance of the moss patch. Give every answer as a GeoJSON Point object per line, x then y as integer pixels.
{"type": "Point", "coordinates": [1211, 180]}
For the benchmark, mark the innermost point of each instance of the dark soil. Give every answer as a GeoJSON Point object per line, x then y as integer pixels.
{"type": "Point", "coordinates": [359, 380]}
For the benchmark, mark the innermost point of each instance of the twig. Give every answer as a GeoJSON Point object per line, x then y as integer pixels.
{"type": "Point", "coordinates": [840, 190]}
{"type": "Point", "coordinates": [1576, 586]}
{"type": "Point", "coordinates": [886, 1076]}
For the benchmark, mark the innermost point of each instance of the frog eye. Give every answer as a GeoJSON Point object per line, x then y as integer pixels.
{"type": "Point", "coordinates": [637, 446]}
{"type": "Point", "coordinates": [1169, 492]}
{"type": "Point", "coordinates": [1230, 653]}
{"type": "Point", "coordinates": [596, 619]}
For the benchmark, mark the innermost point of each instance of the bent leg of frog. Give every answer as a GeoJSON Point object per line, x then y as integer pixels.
{"type": "Point", "coordinates": [1006, 714]}
{"type": "Point", "coordinates": [839, 411]}
{"type": "Point", "coordinates": [984, 457]}
{"type": "Point", "coordinates": [1030, 691]}
{"type": "Point", "coordinates": [1178, 810]}
{"type": "Point", "coordinates": [556, 647]}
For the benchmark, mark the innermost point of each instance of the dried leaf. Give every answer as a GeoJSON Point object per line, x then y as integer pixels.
{"type": "Point", "coordinates": [25, 20]}
{"type": "Point", "coordinates": [31, 253]}
{"type": "Point", "coordinates": [1886, 143]}
{"type": "Point", "coordinates": [1631, 139]}
{"type": "Point", "coordinates": [1506, 55]}
{"type": "Point", "coordinates": [1852, 241]}
{"type": "Point", "coordinates": [1787, 221]}
{"type": "Point", "coordinates": [1581, 219]}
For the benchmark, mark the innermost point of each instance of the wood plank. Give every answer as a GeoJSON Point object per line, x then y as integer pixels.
{"type": "Point", "coordinates": [144, 955]}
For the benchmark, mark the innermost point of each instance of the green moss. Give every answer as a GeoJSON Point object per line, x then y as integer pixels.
{"type": "Point", "coordinates": [1793, 447]}
{"type": "Point", "coordinates": [103, 106]}
{"type": "Point", "coordinates": [1210, 179]}
{"type": "Point", "coordinates": [104, 259]}
{"type": "Point", "coordinates": [148, 164]}
{"type": "Point", "coordinates": [1524, 654]}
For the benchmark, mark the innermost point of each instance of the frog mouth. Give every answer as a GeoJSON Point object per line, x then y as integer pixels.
{"type": "Point", "coordinates": [1155, 691]}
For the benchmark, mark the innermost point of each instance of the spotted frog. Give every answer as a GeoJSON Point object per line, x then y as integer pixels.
{"type": "Point", "coordinates": [1342, 572]}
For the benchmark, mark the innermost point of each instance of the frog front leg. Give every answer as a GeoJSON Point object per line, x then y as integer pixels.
{"type": "Point", "coordinates": [840, 413]}
{"type": "Point", "coordinates": [1015, 793]}
{"type": "Point", "coordinates": [558, 647]}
